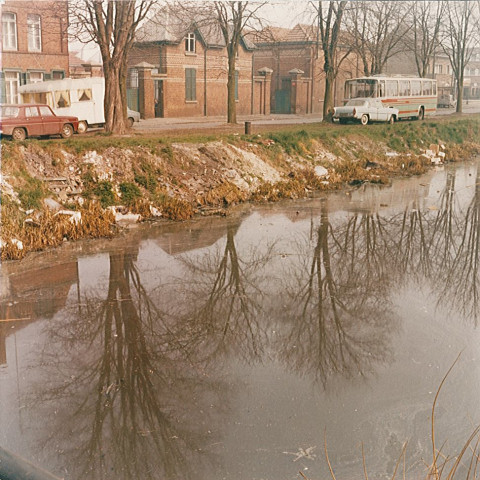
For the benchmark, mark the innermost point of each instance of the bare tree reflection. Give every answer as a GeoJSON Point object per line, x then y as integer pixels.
{"type": "Point", "coordinates": [412, 247]}
{"type": "Point", "coordinates": [338, 312]}
{"type": "Point", "coordinates": [126, 397]}
{"type": "Point", "coordinates": [461, 278]}
{"type": "Point", "coordinates": [225, 300]}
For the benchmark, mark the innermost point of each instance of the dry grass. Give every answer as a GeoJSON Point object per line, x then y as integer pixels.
{"type": "Point", "coordinates": [47, 229]}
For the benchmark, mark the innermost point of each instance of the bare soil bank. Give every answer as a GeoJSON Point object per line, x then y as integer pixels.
{"type": "Point", "coordinates": [54, 190]}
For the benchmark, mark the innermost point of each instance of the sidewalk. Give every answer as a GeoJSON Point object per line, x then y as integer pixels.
{"type": "Point", "coordinates": [216, 121]}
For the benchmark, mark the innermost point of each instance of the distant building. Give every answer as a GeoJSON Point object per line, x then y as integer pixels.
{"type": "Point", "coordinates": [471, 84]}
{"type": "Point", "coordinates": [79, 68]}
{"type": "Point", "coordinates": [180, 70]}
{"type": "Point", "coordinates": [298, 78]}
{"type": "Point", "coordinates": [34, 44]}
{"type": "Point", "coordinates": [440, 68]}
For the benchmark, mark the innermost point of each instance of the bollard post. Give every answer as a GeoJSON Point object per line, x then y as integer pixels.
{"type": "Point", "coordinates": [248, 128]}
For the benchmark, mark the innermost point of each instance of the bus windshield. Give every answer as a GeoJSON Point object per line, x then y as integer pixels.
{"type": "Point", "coordinates": [361, 88]}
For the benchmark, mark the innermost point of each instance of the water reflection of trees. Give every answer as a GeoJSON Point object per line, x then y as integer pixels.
{"type": "Point", "coordinates": [135, 390]}
{"type": "Point", "coordinates": [461, 277]}
{"type": "Point", "coordinates": [337, 319]}
{"type": "Point", "coordinates": [130, 386]}
{"type": "Point", "coordinates": [225, 296]}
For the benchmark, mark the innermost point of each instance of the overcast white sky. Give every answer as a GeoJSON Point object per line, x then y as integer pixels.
{"type": "Point", "coordinates": [280, 13]}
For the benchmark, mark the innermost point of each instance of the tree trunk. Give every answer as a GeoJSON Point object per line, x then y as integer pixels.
{"type": "Point", "coordinates": [328, 103]}
{"type": "Point", "coordinates": [459, 94]}
{"type": "Point", "coordinates": [231, 104]}
{"type": "Point", "coordinates": [114, 105]}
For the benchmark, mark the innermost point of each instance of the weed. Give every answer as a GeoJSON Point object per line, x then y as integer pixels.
{"type": "Point", "coordinates": [104, 191]}
{"type": "Point", "coordinates": [130, 193]}
{"type": "Point", "coordinates": [32, 193]}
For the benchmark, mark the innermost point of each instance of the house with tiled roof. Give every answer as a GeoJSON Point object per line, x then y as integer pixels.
{"type": "Point", "coordinates": [178, 68]}
{"type": "Point", "coordinates": [296, 61]}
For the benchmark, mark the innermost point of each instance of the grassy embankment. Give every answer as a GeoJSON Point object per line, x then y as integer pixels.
{"type": "Point", "coordinates": [146, 171]}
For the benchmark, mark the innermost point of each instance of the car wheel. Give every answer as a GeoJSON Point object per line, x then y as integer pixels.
{"type": "Point", "coordinates": [364, 119]}
{"type": "Point", "coordinates": [19, 134]}
{"type": "Point", "coordinates": [130, 122]}
{"type": "Point", "coordinates": [391, 120]}
{"type": "Point", "coordinates": [67, 131]}
{"type": "Point", "coordinates": [421, 114]}
{"type": "Point", "coordinates": [82, 126]}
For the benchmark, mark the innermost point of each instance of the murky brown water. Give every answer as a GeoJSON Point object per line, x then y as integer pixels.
{"type": "Point", "coordinates": [227, 348]}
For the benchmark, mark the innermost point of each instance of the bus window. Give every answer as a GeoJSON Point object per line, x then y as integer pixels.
{"type": "Point", "coordinates": [427, 87]}
{"type": "Point", "coordinates": [85, 95]}
{"type": "Point", "coordinates": [62, 99]}
{"type": "Point", "coordinates": [392, 88]}
{"type": "Point", "coordinates": [416, 86]}
{"type": "Point", "coordinates": [404, 88]}
{"type": "Point", "coordinates": [360, 88]}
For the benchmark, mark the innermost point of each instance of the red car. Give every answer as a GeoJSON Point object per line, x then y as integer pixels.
{"type": "Point", "coordinates": [31, 120]}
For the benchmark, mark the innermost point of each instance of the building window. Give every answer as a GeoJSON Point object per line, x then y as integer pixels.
{"type": "Point", "coordinates": [236, 84]}
{"type": "Point", "coordinates": [190, 84]}
{"type": "Point", "coordinates": [35, 77]}
{"type": "Point", "coordinates": [34, 27]}
{"type": "Point", "coordinates": [190, 43]}
{"type": "Point", "coordinates": [12, 82]}
{"type": "Point", "coordinates": [9, 31]}
{"type": "Point", "coordinates": [58, 74]}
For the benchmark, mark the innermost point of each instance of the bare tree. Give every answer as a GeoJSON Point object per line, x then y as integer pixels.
{"type": "Point", "coordinates": [329, 22]}
{"type": "Point", "coordinates": [426, 20]}
{"type": "Point", "coordinates": [459, 37]}
{"type": "Point", "coordinates": [377, 29]}
{"type": "Point", "coordinates": [111, 25]}
{"type": "Point", "coordinates": [233, 18]}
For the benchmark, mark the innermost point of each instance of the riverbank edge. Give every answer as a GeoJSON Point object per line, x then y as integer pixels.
{"type": "Point", "coordinates": [55, 191]}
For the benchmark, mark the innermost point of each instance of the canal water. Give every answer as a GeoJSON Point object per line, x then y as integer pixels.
{"type": "Point", "coordinates": [244, 348]}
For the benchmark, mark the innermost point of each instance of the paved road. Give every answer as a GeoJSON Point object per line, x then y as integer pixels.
{"type": "Point", "coordinates": [219, 123]}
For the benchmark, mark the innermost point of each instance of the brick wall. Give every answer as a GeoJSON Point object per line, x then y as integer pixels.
{"type": "Point", "coordinates": [307, 94]}
{"type": "Point", "coordinates": [210, 66]}
{"type": "Point", "coordinates": [51, 58]}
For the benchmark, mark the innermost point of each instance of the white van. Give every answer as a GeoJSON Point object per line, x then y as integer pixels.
{"type": "Point", "coordinates": [79, 97]}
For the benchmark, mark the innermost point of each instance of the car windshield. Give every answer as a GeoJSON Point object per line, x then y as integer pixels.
{"type": "Point", "coordinates": [357, 103]}
{"type": "Point", "coordinates": [9, 112]}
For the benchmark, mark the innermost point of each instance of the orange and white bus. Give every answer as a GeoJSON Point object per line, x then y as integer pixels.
{"type": "Point", "coordinates": [414, 97]}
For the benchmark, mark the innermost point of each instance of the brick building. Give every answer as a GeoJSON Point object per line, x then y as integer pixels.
{"type": "Point", "coordinates": [34, 44]}
{"type": "Point", "coordinates": [298, 78]}
{"type": "Point", "coordinates": [180, 70]}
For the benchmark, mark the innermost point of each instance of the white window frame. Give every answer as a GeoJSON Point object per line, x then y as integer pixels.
{"type": "Point", "coordinates": [190, 43]}
{"type": "Point", "coordinates": [34, 32]}
{"type": "Point", "coordinates": [9, 31]}
{"type": "Point", "coordinates": [32, 75]}
{"type": "Point", "coordinates": [12, 85]}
